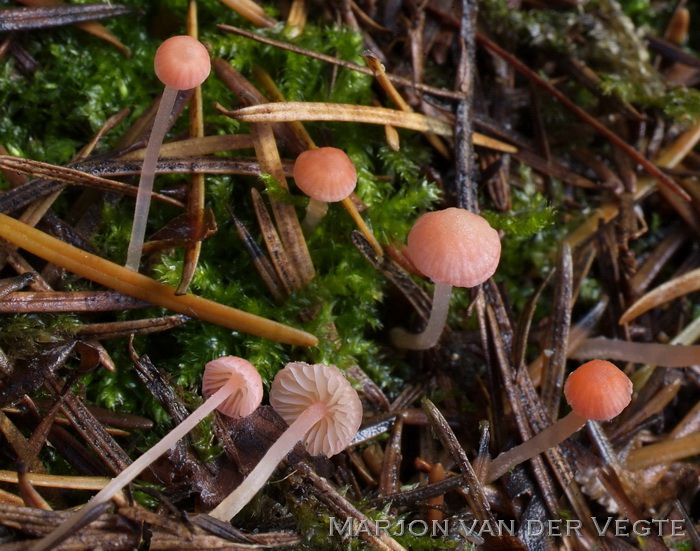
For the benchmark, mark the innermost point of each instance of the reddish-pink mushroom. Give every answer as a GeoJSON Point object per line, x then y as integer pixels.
{"type": "Point", "coordinates": [323, 411]}
{"type": "Point", "coordinates": [231, 384]}
{"type": "Point", "coordinates": [596, 391]}
{"type": "Point", "coordinates": [327, 175]}
{"type": "Point", "coordinates": [454, 248]}
{"type": "Point", "coordinates": [181, 63]}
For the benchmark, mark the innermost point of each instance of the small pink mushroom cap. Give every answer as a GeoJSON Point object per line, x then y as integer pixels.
{"type": "Point", "coordinates": [249, 391]}
{"type": "Point", "coordinates": [300, 385]}
{"type": "Point", "coordinates": [182, 62]}
{"type": "Point", "coordinates": [598, 390]}
{"type": "Point", "coordinates": [325, 174]}
{"type": "Point", "coordinates": [455, 247]}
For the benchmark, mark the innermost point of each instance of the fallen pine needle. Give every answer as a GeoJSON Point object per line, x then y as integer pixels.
{"type": "Point", "coordinates": [141, 287]}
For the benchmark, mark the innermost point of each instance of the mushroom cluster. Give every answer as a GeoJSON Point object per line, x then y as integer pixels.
{"type": "Point", "coordinates": [231, 384]}
{"type": "Point", "coordinates": [322, 410]}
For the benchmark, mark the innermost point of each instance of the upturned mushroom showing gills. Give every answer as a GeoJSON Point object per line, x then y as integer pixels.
{"type": "Point", "coordinates": [323, 411]}
{"type": "Point", "coordinates": [596, 391]}
{"type": "Point", "coordinates": [181, 63]}
{"type": "Point", "coordinates": [454, 248]}
{"type": "Point", "coordinates": [230, 384]}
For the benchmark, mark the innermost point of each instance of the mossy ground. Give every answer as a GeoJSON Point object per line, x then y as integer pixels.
{"type": "Point", "coordinates": [81, 81]}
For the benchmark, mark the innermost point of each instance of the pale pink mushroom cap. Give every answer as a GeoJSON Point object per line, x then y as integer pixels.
{"type": "Point", "coordinates": [455, 247]}
{"type": "Point", "coordinates": [300, 385]}
{"type": "Point", "coordinates": [182, 62]}
{"type": "Point", "coordinates": [248, 394]}
{"type": "Point", "coordinates": [598, 390]}
{"type": "Point", "coordinates": [325, 174]}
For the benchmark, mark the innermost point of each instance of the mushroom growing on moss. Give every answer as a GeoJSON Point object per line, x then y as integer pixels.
{"type": "Point", "coordinates": [454, 248]}
{"type": "Point", "coordinates": [181, 63]}
{"type": "Point", "coordinates": [327, 175]}
{"type": "Point", "coordinates": [596, 391]}
{"type": "Point", "coordinates": [323, 411]}
{"type": "Point", "coordinates": [231, 384]}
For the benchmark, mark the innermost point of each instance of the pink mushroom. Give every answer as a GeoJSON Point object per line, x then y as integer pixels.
{"type": "Point", "coordinates": [326, 175]}
{"type": "Point", "coordinates": [231, 384]}
{"type": "Point", "coordinates": [181, 63]}
{"type": "Point", "coordinates": [453, 247]}
{"type": "Point", "coordinates": [596, 391]}
{"type": "Point", "coordinates": [323, 411]}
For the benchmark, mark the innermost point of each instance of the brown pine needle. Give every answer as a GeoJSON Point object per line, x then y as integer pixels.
{"type": "Point", "coordinates": [342, 112]}
{"type": "Point", "coordinates": [58, 481]}
{"type": "Point", "coordinates": [603, 130]}
{"type": "Point", "coordinates": [664, 452]}
{"type": "Point", "coordinates": [341, 62]}
{"type": "Point", "coordinates": [74, 177]}
{"type": "Point", "coordinates": [683, 285]}
{"type": "Point", "coordinates": [139, 286]}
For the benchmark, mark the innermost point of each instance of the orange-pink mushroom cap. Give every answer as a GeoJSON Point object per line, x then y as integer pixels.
{"type": "Point", "coordinates": [248, 389]}
{"type": "Point", "coordinates": [455, 247]}
{"type": "Point", "coordinates": [598, 390]}
{"type": "Point", "coordinates": [326, 174]}
{"type": "Point", "coordinates": [300, 385]}
{"type": "Point", "coordinates": [182, 62]}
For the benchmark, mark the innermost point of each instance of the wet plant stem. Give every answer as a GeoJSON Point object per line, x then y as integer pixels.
{"type": "Point", "coordinates": [148, 172]}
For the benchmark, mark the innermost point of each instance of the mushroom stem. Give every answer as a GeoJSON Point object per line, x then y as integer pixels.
{"type": "Point", "coordinates": [430, 335]}
{"type": "Point", "coordinates": [315, 211]}
{"type": "Point", "coordinates": [148, 170]}
{"type": "Point", "coordinates": [133, 470]}
{"type": "Point", "coordinates": [548, 438]}
{"type": "Point", "coordinates": [240, 497]}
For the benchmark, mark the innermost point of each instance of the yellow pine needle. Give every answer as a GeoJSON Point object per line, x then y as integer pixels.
{"type": "Point", "coordinates": [144, 288]}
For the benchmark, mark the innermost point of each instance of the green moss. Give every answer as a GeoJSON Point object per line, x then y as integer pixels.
{"type": "Point", "coordinates": [612, 47]}
{"type": "Point", "coordinates": [23, 336]}
{"type": "Point", "coordinates": [280, 194]}
{"type": "Point", "coordinates": [50, 115]}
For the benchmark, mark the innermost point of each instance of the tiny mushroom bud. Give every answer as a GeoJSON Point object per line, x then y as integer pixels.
{"type": "Point", "coordinates": [453, 247]}
{"type": "Point", "coordinates": [323, 411]}
{"type": "Point", "coordinates": [596, 391]}
{"type": "Point", "coordinates": [231, 384]}
{"type": "Point", "coordinates": [181, 63]}
{"type": "Point", "coordinates": [327, 175]}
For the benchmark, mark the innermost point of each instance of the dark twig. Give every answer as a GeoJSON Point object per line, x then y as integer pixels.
{"type": "Point", "coordinates": [24, 19]}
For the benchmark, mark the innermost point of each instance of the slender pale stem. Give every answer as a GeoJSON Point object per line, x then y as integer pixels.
{"type": "Point", "coordinates": [430, 335]}
{"type": "Point", "coordinates": [238, 499]}
{"type": "Point", "coordinates": [542, 441]}
{"type": "Point", "coordinates": [133, 470]}
{"type": "Point", "coordinates": [148, 171]}
{"type": "Point", "coordinates": [315, 211]}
